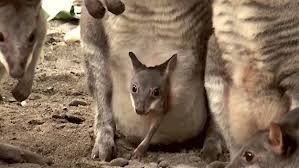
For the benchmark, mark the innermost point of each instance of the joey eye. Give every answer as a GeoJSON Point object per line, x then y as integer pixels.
{"type": "Point", "coordinates": [248, 156]}
{"type": "Point", "coordinates": [156, 92]}
{"type": "Point", "coordinates": [31, 37]}
{"type": "Point", "coordinates": [1, 37]}
{"type": "Point", "coordinates": [134, 89]}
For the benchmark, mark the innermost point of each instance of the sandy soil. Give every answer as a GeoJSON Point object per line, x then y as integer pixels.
{"type": "Point", "coordinates": [41, 124]}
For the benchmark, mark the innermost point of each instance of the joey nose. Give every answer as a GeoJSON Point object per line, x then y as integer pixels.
{"type": "Point", "coordinates": [139, 111]}
{"type": "Point", "coordinates": [16, 72]}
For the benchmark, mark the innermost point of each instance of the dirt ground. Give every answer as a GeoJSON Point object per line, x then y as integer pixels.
{"type": "Point", "coordinates": [41, 124]}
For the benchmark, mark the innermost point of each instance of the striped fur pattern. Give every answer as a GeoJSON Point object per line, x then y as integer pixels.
{"type": "Point", "coordinates": [215, 81]}
{"type": "Point", "coordinates": [154, 30]}
{"type": "Point", "coordinates": [259, 41]}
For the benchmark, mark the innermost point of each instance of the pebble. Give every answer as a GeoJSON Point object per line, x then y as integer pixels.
{"type": "Point", "coordinates": [23, 103]}
{"type": "Point", "coordinates": [153, 165]}
{"type": "Point", "coordinates": [73, 119]}
{"type": "Point", "coordinates": [69, 118]}
{"type": "Point", "coordinates": [77, 93]}
{"type": "Point", "coordinates": [163, 164]}
{"type": "Point", "coordinates": [36, 122]}
{"type": "Point", "coordinates": [50, 90]}
{"type": "Point", "coordinates": [121, 162]}
{"type": "Point", "coordinates": [77, 103]}
{"type": "Point", "coordinates": [194, 159]}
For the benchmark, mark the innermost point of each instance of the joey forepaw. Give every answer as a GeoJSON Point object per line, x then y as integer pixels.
{"type": "Point", "coordinates": [139, 152]}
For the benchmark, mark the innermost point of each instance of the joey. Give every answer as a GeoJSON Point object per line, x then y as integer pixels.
{"type": "Point", "coordinates": [151, 95]}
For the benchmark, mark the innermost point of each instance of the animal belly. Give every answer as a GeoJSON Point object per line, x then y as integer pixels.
{"type": "Point", "coordinates": [186, 119]}
{"type": "Point", "coordinates": [154, 35]}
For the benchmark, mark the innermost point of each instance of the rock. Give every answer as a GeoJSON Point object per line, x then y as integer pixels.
{"type": "Point", "coordinates": [194, 159]}
{"type": "Point", "coordinates": [23, 103]}
{"type": "Point", "coordinates": [77, 93]}
{"type": "Point", "coordinates": [121, 162]}
{"type": "Point", "coordinates": [164, 164]}
{"type": "Point", "coordinates": [69, 118]}
{"type": "Point", "coordinates": [77, 103]}
{"type": "Point", "coordinates": [49, 90]}
{"type": "Point", "coordinates": [73, 119]}
{"type": "Point", "coordinates": [153, 165]}
{"type": "Point", "coordinates": [36, 122]}
{"type": "Point", "coordinates": [72, 36]}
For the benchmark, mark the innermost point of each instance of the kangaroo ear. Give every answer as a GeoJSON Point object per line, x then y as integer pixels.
{"type": "Point", "coordinates": [137, 65]}
{"type": "Point", "coordinates": [168, 66]}
{"type": "Point", "coordinates": [276, 138]}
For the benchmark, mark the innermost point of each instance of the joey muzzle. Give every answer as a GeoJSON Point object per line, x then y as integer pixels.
{"type": "Point", "coordinates": [140, 109]}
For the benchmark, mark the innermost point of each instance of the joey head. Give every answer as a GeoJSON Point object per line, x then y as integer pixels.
{"type": "Point", "coordinates": [150, 95]}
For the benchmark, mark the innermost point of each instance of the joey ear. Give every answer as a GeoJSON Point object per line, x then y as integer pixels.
{"type": "Point", "coordinates": [168, 66]}
{"type": "Point", "coordinates": [171, 64]}
{"type": "Point", "coordinates": [137, 65]}
{"type": "Point", "coordinates": [276, 138]}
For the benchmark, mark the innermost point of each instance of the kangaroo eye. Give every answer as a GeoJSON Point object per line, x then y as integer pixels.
{"type": "Point", "coordinates": [156, 92]}
{"type": "Point", "coordinates": [134, 89]}
{"type": "Point", "coordinates": [248, 156]}
{"type": "Point", "coordinates": [1, 37]}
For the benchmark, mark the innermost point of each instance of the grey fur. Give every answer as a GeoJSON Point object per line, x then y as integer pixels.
{"type": "Point", "coordinates": [152, 29]}
{"type": "Point", "coordinates": [215, 80]}
{"type": "Point", "coordinates": [22, 41]}
{"type": "Point", "coordinates": [150, 94]}
{"type": "Point", "coordinates": [275, 148]}
{"type": "Point", "coordinates": [22, 33]}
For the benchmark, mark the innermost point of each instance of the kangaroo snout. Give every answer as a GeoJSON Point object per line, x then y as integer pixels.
{"type": "Point", "coordinates": [16, 72]}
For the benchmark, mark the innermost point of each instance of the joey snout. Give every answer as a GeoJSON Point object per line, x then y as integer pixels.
{"type": "Point", "coordinates": [140, 109]}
